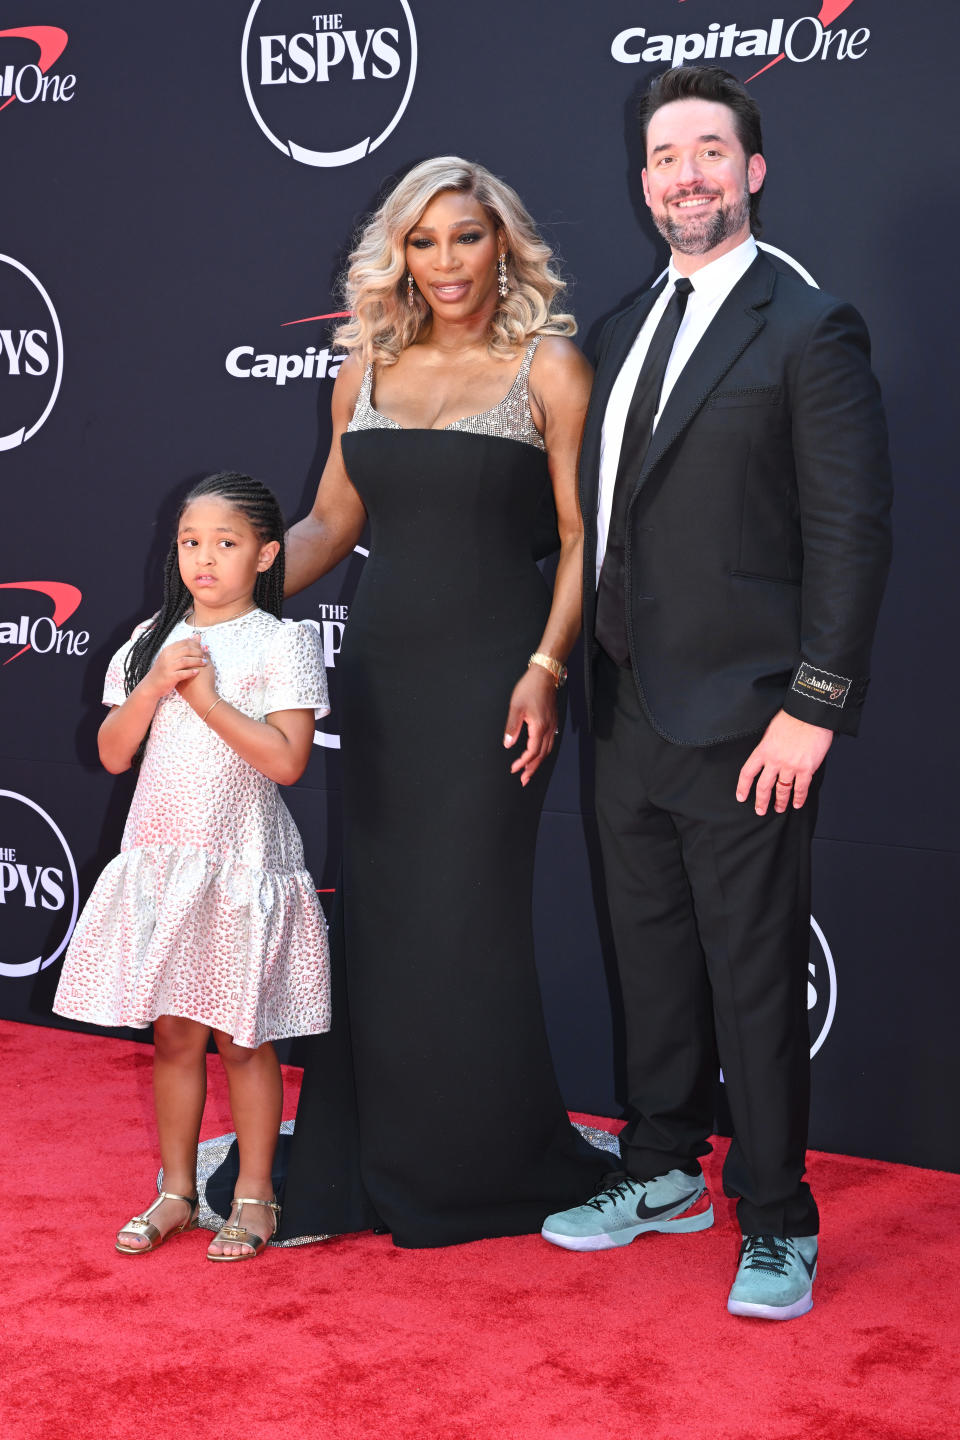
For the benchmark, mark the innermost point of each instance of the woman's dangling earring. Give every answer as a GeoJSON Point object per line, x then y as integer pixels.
{"type": "Point", "coordinates": [409, 288]}
{"type": "Point", "coordinates": [502, 285]}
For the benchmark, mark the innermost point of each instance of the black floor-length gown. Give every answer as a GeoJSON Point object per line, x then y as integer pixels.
{"type": "Point", "coordinates": [432, 1106]}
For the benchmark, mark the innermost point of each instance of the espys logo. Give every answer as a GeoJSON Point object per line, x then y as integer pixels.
{"type": "Point", "coordinates": [780, 255]}
{"type": "Point", "coordinates": [31, 354]}
{"type": "Point", "coordinates": [821, 988]}
{"type": "Point", "coordinates": [39, 894]}
{"type": "Point", "coordinates": [299, 68]}
{"type": "Point", "coordinates": [244, 362]}
{"type": "Point", "coordinates": [808, 37]}
{"type": "Point", "coordinates": [23, 76]}
{"type": "Point", "coordinates": [330, 627]}
{"type": "Point", "coordinates": [44, 634]}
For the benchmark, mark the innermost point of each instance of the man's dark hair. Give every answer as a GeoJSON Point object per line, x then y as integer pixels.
{"type": "Point", "coordinates": [708, 82]}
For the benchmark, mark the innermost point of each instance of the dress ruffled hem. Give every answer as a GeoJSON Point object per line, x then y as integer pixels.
{"type": "Point", "coordinates": [174, 930]}
{"type": "Point", "coordinates": [128, 1023]}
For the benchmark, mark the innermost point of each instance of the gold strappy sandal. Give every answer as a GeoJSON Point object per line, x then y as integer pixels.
{"type": "Point", "coordinates": [237, 1234]}
{"type": "Point", "coordinates": [143, 1225]}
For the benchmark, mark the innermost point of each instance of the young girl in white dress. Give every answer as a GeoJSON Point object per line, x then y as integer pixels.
{"type": "Point", "coordinates": [207, 920]}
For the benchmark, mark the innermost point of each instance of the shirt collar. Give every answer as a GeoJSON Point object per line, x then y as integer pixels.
{"type": "Point", "coordinates": [720, 276]}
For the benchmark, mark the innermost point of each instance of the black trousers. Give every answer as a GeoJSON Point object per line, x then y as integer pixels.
{"type": "Point", "coordinates": [710, 906]}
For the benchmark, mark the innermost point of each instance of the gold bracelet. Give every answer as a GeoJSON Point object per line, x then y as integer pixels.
{"type": "Point", "coordinates": [556, 667]}
{"type": "Point", "coordinates": [212, 707]}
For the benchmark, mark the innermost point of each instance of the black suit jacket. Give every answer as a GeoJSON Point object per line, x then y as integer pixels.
{"type": "Point", "coordinates": [758, 537]}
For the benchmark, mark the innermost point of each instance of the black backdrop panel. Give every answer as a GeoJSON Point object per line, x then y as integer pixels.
{"type": "Point", "coordinates": [177, 207]}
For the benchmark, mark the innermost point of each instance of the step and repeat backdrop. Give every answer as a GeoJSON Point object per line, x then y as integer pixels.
{"type": "Point", "coordinates": [181, 185]}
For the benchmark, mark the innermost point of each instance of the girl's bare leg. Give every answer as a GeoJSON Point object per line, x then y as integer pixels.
{"type": "Point", "coordinates": [256, 1101]}
{"type": "Point", "coordinates": [179, 1092]}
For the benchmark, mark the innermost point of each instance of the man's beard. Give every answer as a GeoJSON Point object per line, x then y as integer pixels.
{"type": "Point", "coordinates": [698, 234]}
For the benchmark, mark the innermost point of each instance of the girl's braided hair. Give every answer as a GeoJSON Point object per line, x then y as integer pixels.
{"type": "Point", "coordinates": [259, 505]}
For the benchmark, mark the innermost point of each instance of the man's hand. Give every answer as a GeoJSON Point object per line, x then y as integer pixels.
{"type": "Point", "coordinates": [786, 760]}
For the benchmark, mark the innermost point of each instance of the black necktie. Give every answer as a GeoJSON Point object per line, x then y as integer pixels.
{"type": "Point", "coordinates": [611, 621]}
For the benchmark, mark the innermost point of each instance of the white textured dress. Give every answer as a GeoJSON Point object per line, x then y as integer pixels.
{"type": "Point", "coordinates": [208, 912]}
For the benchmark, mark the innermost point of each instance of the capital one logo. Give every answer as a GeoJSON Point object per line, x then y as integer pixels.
{"type": "Point", "coordinates": [26, 55]}
{"type": "Point", "coordinates": [327, 88]}
{"type": "Point", "coordinates": [44, 634]}
{"type": "Point", "coordinates": [39, 894]}
{"type": "Point", "coordinates": [799, 39]}
{"type": "Point", "coordinates": [245, 362]}
{"type": "Point", "coordinates": [31, 354]}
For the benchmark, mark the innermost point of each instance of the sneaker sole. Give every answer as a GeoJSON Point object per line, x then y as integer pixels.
{"type": "Point", "coordinates": [772, 1312]}
{"type": "Point", "coordinates": [682, 1225]}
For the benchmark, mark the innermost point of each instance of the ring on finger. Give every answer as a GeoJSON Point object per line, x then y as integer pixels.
{"type": "Point", "coordinates": [787, 783]}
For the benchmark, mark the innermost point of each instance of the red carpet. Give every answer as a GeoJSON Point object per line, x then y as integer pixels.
{"type": "Point", "coordinates": [502, 1340]}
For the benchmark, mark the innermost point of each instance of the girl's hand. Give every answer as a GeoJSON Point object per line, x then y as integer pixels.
{"type": "Point", "coordinates": [127, 724]}
{"type": "Point", "coordinates": [199, 688]}
{"type": "Point", "coordinates": [534, 704]}
{"type": "Point", "coordinates": [173, 666]}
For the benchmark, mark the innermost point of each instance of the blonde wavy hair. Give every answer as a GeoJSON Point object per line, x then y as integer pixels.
{"type": "Point", "coordinates": [374, 288]}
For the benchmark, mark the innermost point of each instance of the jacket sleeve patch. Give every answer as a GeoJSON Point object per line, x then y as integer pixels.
{"type": "Point", "coordinates": [821, 685]}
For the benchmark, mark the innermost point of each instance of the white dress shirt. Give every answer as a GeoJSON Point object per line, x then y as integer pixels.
{"type": "Point", "coordinates": [711, 286]}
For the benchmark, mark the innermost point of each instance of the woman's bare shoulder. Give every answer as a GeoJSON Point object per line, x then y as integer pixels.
{"type": "Point", "coordinates": [559, 366]}
{"type": "Point", "coordinates": [346, 387]}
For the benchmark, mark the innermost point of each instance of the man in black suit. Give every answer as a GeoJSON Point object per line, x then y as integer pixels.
{"type": "Point", "coordinates": [735, 490]}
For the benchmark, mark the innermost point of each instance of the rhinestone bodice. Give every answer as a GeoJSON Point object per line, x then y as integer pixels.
{"type": "Point", "coordinates": [510, 418]}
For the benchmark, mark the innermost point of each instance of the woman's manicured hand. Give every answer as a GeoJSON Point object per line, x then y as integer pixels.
{"type": "Point", "coordinates": [534, 704]}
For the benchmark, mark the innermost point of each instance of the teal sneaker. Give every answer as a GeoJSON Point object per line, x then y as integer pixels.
{"type": "Point", "coordinates": [674, 1203]}
{"type": "Point", "coordinates": [775, 1277]}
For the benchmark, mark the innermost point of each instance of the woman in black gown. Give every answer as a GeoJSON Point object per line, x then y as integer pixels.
{"type": "Point", "coordinates": [432, 1107]}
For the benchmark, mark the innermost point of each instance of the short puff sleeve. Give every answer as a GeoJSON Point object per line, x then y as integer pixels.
{"type": "Point", "coordinates": [295, 677]}
{"type": "Point", "coordinates": [114, 685]}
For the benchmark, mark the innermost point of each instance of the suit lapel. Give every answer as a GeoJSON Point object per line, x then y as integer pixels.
{"type": "Point", "coordinates": [735, 325]}
{"type": "Point", "coordinates": [626, 328]}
